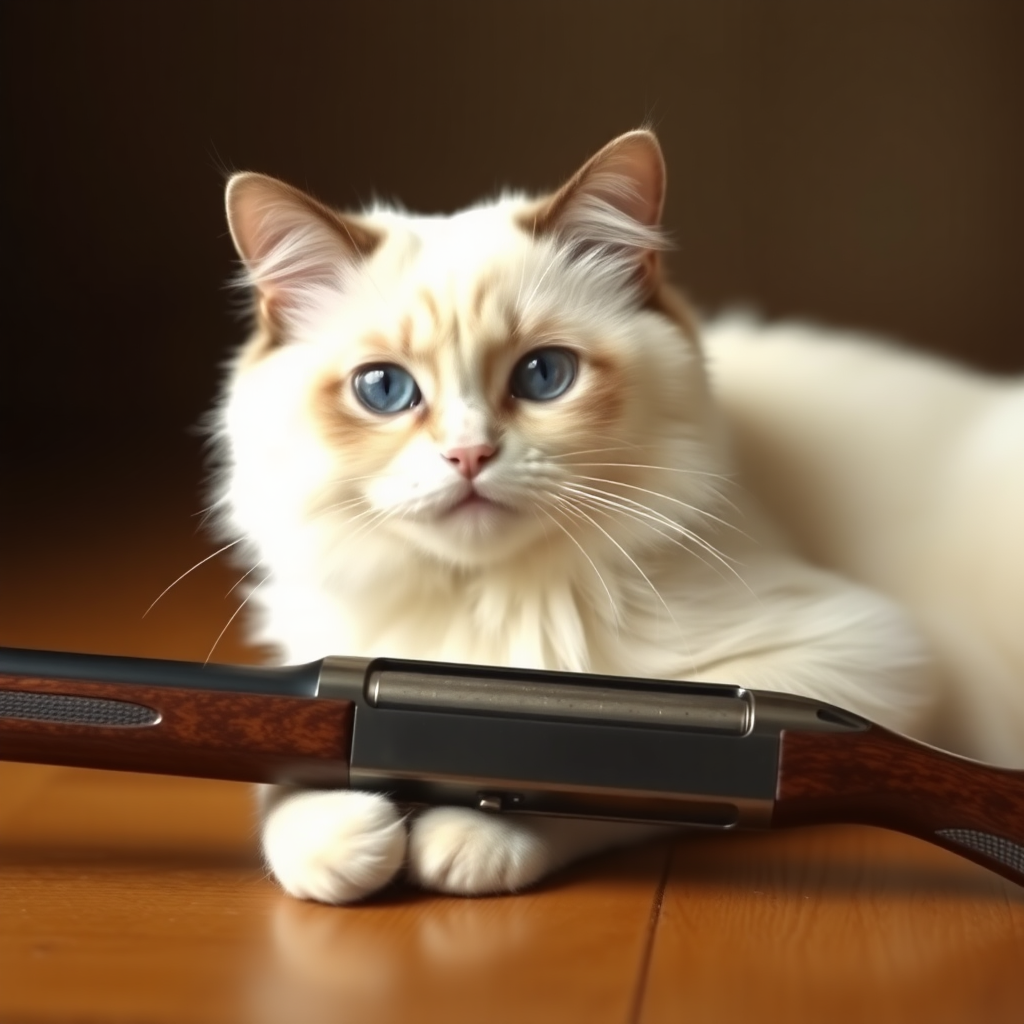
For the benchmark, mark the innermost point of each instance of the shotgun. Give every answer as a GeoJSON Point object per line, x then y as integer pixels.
{"type": "Point", "coordinates": [510, 741]}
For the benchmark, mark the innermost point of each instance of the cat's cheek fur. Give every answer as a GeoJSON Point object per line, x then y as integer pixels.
{"type": "Point", "coordinates": [334, 847]}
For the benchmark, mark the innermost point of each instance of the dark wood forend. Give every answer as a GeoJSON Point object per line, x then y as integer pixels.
{"type": "Point", "coordinates": [203, 733]}
{"type": "Point", "coordinates": [876, 777]}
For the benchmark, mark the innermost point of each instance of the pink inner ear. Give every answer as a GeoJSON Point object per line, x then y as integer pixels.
{"type": "Point", "coordinates": [630, 177]}
{"type": "Point", "coordinates": [615, 200]}
{"type": "Point", "coordinates": [289, 241]}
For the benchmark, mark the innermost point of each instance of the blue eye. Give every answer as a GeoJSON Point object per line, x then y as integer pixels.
{"type": "Point", "coordinates": [544, 374]}
{"type": "Point", "coordinates": [386, 388]}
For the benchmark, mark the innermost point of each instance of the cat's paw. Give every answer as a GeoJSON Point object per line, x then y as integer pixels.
{"type": "Point", "coordinates": [335, 847]}
{"type": "Point", "coordinates": [456, 850]}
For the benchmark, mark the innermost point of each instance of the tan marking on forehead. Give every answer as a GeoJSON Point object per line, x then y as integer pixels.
{"type": "Point", "coordinates": [432, 308]}
{"type": "Point", "coordinates": [515, 321]}
{"type": "Point", "coordinates": [547, 331]}
{"type": "Point", "coordinates": [379, 342]}
{"type": "Point", "coordinates": [405, 337]}
{"type": "Point", "coordinates": [481, 291]}
{"type": "Point", "coordinates": [499, 356]}
{"type": "Point", "coordinates": [399, 345]}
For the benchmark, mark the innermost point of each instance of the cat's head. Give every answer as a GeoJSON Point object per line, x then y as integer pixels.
{"type": "Point", "coordinates": [472, 387]}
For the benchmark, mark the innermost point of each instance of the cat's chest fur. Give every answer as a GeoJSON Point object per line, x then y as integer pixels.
{"type": "Point", "coordinates": [563, 609]}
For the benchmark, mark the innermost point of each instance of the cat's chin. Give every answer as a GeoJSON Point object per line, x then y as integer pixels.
{"type": "Point", "coordinates": [475, 510]}
{"type": "Point", "coordinates": [474, 532]}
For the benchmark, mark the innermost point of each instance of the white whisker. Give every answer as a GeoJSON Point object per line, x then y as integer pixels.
{"type": "Point", "coordinates": [627, 556]}
{"type": "Point", "coordinates": [204, 515]}
{"type": "Point", "coordinates": [639, 511]}
{"type": "Point", "coordinates": [234, 615]}
{"type": "Point", "coordinates": [646, 522]}
{"type": "Point", "coordinates": [240, 581]}
{"type": "Point", "coordinates": [667, 497]}
{"type": "Point", "coordinates": [378, 519]}
{"type": "Point", "coordinates": [340, 506]}
{"type": "Point", "coordinates": [664, 469]}
{"type": "Point", "coordinates": [601, 580]}
{"type": "Point", "coordinates": [593, 451]}
{"type": "Point", "coordinates": [202, 561]}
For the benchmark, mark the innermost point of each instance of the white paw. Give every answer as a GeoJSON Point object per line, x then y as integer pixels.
{"type": "Point", "coordinates": [452, 849]}
{"type": "Point", "coordinates": [334, 847]}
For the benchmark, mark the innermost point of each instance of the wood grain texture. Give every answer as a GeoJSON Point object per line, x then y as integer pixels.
{"type": "Point", "coordinates": [879, 778]}
{"type": "Point", "coordinates": [227, 735]}
{"type": "Point", "coordinates": [130, 898]}
{"type": "Point", "coordinates": [838, 924]}
{"type": "Point", "coordinates": [127, 898]}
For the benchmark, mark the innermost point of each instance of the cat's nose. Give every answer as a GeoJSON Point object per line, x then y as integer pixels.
{"type": "Point", "coordinates": [470, 460]}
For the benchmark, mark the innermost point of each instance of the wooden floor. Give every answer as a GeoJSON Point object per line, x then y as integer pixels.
{"type": "Point", "coordinates": [127, 898]}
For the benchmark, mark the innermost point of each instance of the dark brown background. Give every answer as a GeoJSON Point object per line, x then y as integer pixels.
{"type": "Point", "coordinates": [857, 162]}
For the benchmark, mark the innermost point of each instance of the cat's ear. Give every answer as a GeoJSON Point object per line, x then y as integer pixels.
{"type": "Point", "coordinates": [291, 244]}
{"type": "Point", "coordinates": [613, 202]}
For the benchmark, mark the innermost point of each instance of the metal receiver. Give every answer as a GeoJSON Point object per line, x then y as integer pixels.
{"type": "Point", "coordinates": [558, 743]}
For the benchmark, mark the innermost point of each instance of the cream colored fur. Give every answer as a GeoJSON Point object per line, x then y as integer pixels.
{"type": "Point", "coordinates": [635, 525]}
{"type": "Point", "coordinates": [906, 473]}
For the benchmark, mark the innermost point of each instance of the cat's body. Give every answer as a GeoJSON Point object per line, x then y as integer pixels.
{"type": "Point", "coordinates": [490, 438]}
{"type": "Point", "coordinates": [906, 473]}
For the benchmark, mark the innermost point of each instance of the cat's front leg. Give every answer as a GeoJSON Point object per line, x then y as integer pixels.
{"type": "Point", "coordinates": [331, 846]}
{"type": "Point", "coordinates": [470, 853]}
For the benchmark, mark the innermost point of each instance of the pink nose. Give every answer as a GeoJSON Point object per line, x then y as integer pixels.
{"type": "Point", "coordinates": [470, 460]}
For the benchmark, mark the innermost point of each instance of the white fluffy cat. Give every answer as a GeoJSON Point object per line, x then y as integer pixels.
{"type": "Point", "coordinates": [490, 438]}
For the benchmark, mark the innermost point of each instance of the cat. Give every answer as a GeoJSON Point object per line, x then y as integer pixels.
{"type": "Point", "coordinates": [493, 437]}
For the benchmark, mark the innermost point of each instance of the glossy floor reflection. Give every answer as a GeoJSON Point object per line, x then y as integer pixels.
{"type": "Point", "coordinates": [125, 897]}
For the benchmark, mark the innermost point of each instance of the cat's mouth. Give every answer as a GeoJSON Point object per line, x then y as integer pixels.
{"type": "Point", "coordinates": [473, 503]}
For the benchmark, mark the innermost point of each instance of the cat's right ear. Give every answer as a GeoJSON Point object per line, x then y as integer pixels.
{"type": "Point", "coordinates": [612, 204]}
{"type": "Point", "coordinates": [292, 245]}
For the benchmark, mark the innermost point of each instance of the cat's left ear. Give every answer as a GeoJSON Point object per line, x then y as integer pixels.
{"type": "Point", "coordinates": [613, 202]}
{"type": "Point", "coordinates": [292, 244]}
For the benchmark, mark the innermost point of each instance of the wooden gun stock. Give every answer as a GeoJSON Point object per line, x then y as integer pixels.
{"type": "Point", "coordinates": [877, 777]}
{"type": "Point", "coordinates": [246, 737]}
